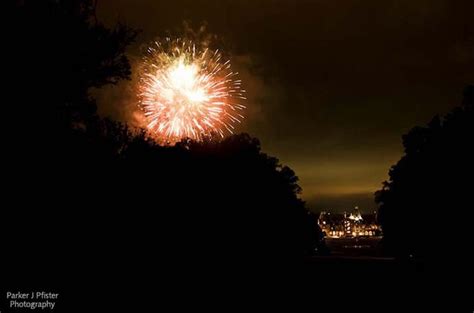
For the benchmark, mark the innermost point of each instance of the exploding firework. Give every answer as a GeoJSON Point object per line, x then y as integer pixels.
{"type": "Point", "coordinates": [188, 92]}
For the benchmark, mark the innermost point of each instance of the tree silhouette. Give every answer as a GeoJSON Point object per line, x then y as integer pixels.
{"type": "Point", "coordinates": [59, 52]}
{"type": "Point", "coordinates": [428, 192]}
{"type": "Point", "coordinates": [110, 192]}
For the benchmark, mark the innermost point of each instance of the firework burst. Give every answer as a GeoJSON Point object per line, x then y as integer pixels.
{"type": "Point", "coordinates": [188, 92]}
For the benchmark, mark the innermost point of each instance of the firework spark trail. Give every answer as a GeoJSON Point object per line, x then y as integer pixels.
{"type": "Point", "coordinates": [186, 92]}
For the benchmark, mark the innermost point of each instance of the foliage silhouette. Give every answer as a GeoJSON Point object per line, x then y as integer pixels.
{"type": "Point", "coordinates": [109, 191]}
{"type": "Point", "coordinates": [428, 189]}
{"type": "Point", "coordinates": [59, 52]}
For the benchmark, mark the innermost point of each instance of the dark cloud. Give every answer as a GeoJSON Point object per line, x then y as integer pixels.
{"type": "Point", "coordinates": [332, 84]}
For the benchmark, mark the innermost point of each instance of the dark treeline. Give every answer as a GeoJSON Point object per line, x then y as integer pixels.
{"type": "Point", "coordinates": [426, 206]}
{"type": "Point", "coordinates": [93, 192]}
{"type": "Point", "coordinates": [423, 205]}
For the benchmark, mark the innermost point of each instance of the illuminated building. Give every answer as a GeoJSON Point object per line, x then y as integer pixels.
{"type": "Point", "coordinates": [354, 224]}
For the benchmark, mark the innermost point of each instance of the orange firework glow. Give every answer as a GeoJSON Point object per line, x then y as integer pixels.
{"type": "Point", "coordinates": [188, 93]}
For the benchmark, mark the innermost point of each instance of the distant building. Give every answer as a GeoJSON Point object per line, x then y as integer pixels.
{"type": "Point", "coordinates": [354, 224]}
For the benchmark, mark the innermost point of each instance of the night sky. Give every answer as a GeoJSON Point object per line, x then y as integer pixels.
{"type": "Point", "coordinates": [332, 85]}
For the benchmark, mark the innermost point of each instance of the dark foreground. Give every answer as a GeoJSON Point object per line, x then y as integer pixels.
{"type": "Point", "coordinates": [125, 282]}
{"type": "Point", "coordinates": [338, 283]}
{"type": "Point", "coordinates": [355, 247]}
